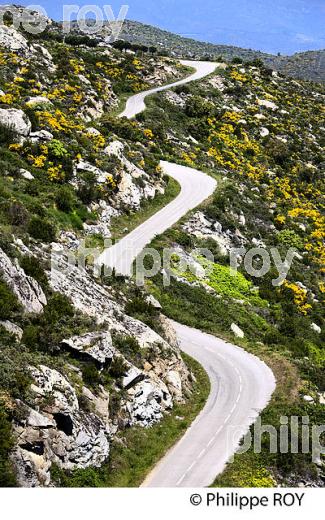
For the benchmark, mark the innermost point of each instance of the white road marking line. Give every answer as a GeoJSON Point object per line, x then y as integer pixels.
{"type": "Point", "coordinates": [191, 467]}
{"type": "Point", "coordinates": [201, 454]}
{"type": "Point", "coordinates": [218, 431]}
{"type": "Point", "coordinates": [180, 480]}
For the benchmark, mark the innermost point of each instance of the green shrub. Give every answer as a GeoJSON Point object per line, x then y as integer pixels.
{"type": "Point", "coordinates": [91, 375]}
{"type": "Point", "coordinates": [118, 368]}
{"type": "Point", "coordinates": [7, 478]}
{"type": "Point", "coordinates": [33, 268]}
{"type": "Point", "coordinates": [58, 306]}
{"type": "Point", "coordinates": [17, 214]}
{"type": "Point", "coordinates": [127, 345]}
{"type": "Point", "coordinates": [31, 336]}
{"type": "Point", "coordinates": [41, 230]}
{"type": "Point", "coordinates": [8, 302]}
{"type": "Point", "coordinates": [31, 113]}
{"type": "Point", "coordinates": [140, 306]}
{"type": "Point", "coordinates": [57, 149]}
{"type": "Point", "coordinates": [289, 238]}
{"type": "Point", "coordinates": [7, 135]}
{"type": "Point", "coordinates": [65, 199]}
{"type": "Point", "coordinates": [14, 374]}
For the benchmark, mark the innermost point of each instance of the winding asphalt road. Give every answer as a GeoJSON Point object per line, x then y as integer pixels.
{"type": "Point", "coordinates": [136, 104]}
{"type": "Point", "coordinates": [196, 186]}
{"type": "Point", "coordinates": [241, 384]}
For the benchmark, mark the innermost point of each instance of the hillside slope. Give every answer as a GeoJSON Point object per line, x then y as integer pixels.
{"type": "Point", "coordinates": [83, 355]}
{"type": "Point", "coordinates": [87, 358]}
{"type": "Point", "coordinates": [305, 65]}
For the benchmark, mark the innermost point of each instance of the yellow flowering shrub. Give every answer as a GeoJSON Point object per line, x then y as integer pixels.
{"type": "Point", "coordinates": [148, 133]}
{"type": "Point", "coordinates": [7, 99]}
{"type": "Point", "coordinates": [58, 121]}
{"type": "Point", "coordinates": [299, 296]}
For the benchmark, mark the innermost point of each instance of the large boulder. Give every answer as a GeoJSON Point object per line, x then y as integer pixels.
{"type": "Point", "coordinates": [12, 329]}
{"type": "Point", "coordinates": [12, 39]}
{"type": "Point", "coordinates": [96, 346]}
{"type": "Point", "coordinates": [29, 293]}
{"type": "Point", "coordinates": [147, 401]}
{"type": "Point", "coordinates": [58, 431]}
{"type": "Point", "coordinates": [16, 120]}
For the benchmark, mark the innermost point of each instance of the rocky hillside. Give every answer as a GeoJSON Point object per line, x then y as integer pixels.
{"type": "Point", "coordinates": [88, 360]}
{"type": "Point", "coordinates": [79, 364]}
{"type": "Point", "coordinates": [137, 32]}
{"type": "Point", "coordinates": [305, 65]}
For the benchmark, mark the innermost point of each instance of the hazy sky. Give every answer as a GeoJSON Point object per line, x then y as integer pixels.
{"type": "Point", "coordinates": [285, 26]}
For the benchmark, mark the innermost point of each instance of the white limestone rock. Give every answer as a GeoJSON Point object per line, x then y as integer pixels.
{"type": "Point", "coordinates": [57, 432]}
{"type": "Point", "coordinates": [16, 120]}
{"type": "Point", "coordinates": [316, 328]}
{"type": "Point", "coordinates": [174, 383]}
{"type": "Point", "coordinates": [237, 331]}
{"type": "Point", "coordinates": [264, 132]}
{"type": "Point", "coordinates": [42, 135]}
{"type": "Point", "coordinates": [12, 39]}
{"type": "Point", "coordinates": [132, 377]}
{"type": "Point", "coordinates": [26, 174]}
{"type": "Point", "coordinates": [100, 401]}
{"type": "Point", "coordinates": [38, 100]}
{"type": "Point", "coordinates": [267, 104]}
{"type": "Point", "coordinates": [12, 329]}
{"type": "Point", "coordinates": [29, 293]}
{"type": "Point", "coordinates": [93, 345]}
{"type": "Point", "coordinates": [147, 402]}
{"type": "Point", "coordinates": [151, 300]}
{"type": "Point", "coordinates": [84, 166]}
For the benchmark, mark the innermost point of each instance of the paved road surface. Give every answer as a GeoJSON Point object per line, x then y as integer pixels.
{"type": "Point", "coordinates": [135, 104]}
{"type": "Point", "coordinates": [241, 384]}
{"type": "Point", "coordinates": [196, 186]}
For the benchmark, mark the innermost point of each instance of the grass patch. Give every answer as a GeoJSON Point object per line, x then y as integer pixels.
{"type": "Point", "coordinates": [133, 219]}
{"type": "Point", "coordinates": [137, 450]}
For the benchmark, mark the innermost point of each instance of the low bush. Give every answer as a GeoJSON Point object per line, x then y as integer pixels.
{"type": "Point", "coordinates": [7, 478]}
{"type": "Point", "coordinates": [128, 346]}
{"type": "Point", "coordinates": [33, 268]}
{"type": "Point", "coordinates": [8, 302]}
{"type": "Point", "coordinates": [7, 135]}
{"type": "Point", "coordinates": [41, 230]}
{"type": "Point", "coordinates": [118, 368]}
{"type": "Point", "coordinates": [17, 214]}
{"type": "Point", "coordinates": [58, 306]}
{"type": "Point", "coordinates": [65, 200]}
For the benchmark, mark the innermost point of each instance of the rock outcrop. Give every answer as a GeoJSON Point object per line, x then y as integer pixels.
{"type": "Point", "coordinates": [12, 329]}
{"type": "Point", "coordinates": [58, 432]}
{"type": "Point", "coordinates": [12, 39]}
{"type": "Point", "coordinates": [29, 293]}
{"type": "Point", "coordinates": [16, 120]}
{"type": "Point", "coordinates": [95, 346]}
{"type": "Point", "coordinates": [131, 192]}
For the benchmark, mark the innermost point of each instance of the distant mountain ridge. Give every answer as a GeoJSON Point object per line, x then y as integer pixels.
{"type": "Point", "coordinates": [308, 65]}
